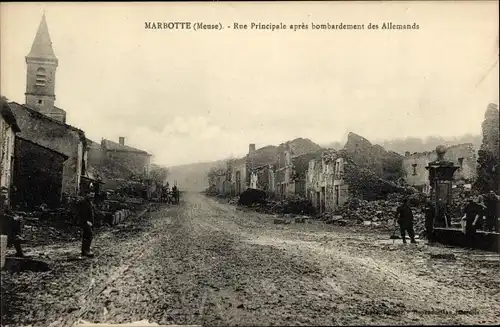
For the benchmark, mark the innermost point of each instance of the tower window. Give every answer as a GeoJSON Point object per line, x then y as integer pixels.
{"type": "Point", "coordinates": [41, 77]}
{"type": "Point", "coordinates": [40, 101]}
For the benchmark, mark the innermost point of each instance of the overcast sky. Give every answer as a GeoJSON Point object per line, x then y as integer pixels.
{"type": "Point", "coordinates": [191, 96]}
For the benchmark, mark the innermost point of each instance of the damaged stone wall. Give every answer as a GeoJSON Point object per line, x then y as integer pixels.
{"type": "Point", "coordinates": [323, 184]}
{"type": "Point", "coordinates": [238, 175]}
{"type": "Point", "coordinates": [137, 162]}
{"type": "Point", "coordinates": [384, 164]}
{"type": "Point", "coordinates": [263, 178]}
{"type": "Point", "coordinates": [299, 171]}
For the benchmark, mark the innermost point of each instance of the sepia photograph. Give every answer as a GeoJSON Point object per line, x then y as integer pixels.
{"type": "Point", "coordinates": [239, 163]}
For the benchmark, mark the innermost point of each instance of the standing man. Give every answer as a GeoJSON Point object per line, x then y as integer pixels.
{"type": "Point", "coordinates": [175, 194]}
{"type": "Point", "coordinates": [11, 224]}
{"type": "Point", "coordinates": [491, 211]}
{"type": "Point", "coordinates": [472, 214]}
{"type": "Point", "coordinates": [85, 212]}
{"type": "Point", "coordinates": [405, 221]}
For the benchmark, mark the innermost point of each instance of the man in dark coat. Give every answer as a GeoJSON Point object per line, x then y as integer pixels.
{"type": "Point", "coordinates": [491, 201]}
{"type": "Point", "coordinates": [11, 225]}
{"type": "Point", "coordinates": [405, 221]}
{"type": "Point", "coordinates": [472, 213]}
{"type": "Point", "coordinates": [175, 194]}
{"type": "Point", "coordinates": [85, 213]}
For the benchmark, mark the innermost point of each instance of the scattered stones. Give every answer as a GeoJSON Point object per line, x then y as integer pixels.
{"type": "Point", "coordinates": [444, 256]}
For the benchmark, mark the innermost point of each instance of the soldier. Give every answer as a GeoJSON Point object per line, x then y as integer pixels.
{"type": "Point", "coordinates": [11, 225]}
{"type": "Point", "coordinates": [405, 221]}
{"type": "Point", "coordinates": [175, 194]}
{"type": "Point", "coordinates": [164, 193]}
{"type": "Point", "coordinates": [85, 213]}
{"type": "Point", "coordinates": [491, 211]}
{"type": "Point", "coordinates": [472, 214]}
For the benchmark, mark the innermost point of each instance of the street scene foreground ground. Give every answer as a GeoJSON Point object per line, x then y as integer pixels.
{"type": "Point", "coordinates": [210, 263]}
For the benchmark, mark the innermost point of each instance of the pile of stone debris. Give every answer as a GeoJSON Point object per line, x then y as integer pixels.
{"type": "Point", "coordinates": [373, 214]}
{"type": "Point", "coordinates": [294, 205]}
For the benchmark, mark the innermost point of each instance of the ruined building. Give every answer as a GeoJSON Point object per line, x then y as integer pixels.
{"type": "Point", "coordinates": [325, 183]}
{"type": "Point", "coordinates": [136, 160]}
{"type": "Point", "coordinates": [292, 165]}
{"type": "Point", "coordinates": [39, 129]}
{"type": "Point", "coordinates": [416, 175]}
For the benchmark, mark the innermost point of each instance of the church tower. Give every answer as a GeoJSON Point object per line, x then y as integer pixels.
{"type": "Point", "coordinates": [41, 72]}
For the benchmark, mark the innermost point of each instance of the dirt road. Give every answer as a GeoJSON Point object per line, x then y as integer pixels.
{"type": "Point", "coordinates": [204, 262]}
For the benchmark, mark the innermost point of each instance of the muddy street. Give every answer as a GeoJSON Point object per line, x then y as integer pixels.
{"type": "Point", "coordinates": [209, 263]}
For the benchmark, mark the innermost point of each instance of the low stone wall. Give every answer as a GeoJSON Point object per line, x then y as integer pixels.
{"type": "Point", "coordinates": [119, 216]}
{"type": "Point", "coordinates": [453, 236]}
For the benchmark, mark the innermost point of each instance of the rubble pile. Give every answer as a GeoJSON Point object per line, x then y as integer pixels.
{"type": "Point", "coordinates": [38, 231]}
{"type": "Point", "coordinates": [252, 196]}
{"type": "Point", "coordinates": [376, 214]}
{"type": "Point", "coordinates": [258, 201]}
{"type": "Point", "coordinates": [297, 205]}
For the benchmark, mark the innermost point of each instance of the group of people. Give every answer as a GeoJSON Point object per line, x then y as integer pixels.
{"type": "Point", "coordinates": [84, 213]}
{"type": "Point", "coordinates": [481, 212]}
{"type": "Point", "coordinates": [11, 223]}
{"type": "Point", "coordinates": [170, 196]}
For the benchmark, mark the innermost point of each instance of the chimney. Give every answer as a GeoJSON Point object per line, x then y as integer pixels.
{"type": "Point", "coordinates": [251, 148]}
{"type": "Point", "coordinates": [407, 153]}
{"type": "Point", "coordinates": [121, 140]}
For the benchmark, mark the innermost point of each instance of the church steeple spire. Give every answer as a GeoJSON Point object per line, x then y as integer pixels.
{"type": "Point", "coordinates": [41, 65]}
{"type": "Point", "coordinates": [42, 45]}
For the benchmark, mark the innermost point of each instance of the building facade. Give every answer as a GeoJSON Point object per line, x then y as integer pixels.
{"type": "Point", "coordinates": [59, 137]}
{"type": "Point", "coordinates": [238, 175]}
{"type": "Point", "coordinates": [135, 160]}
{"type": "Point", "coordinates": [262, 178]}
{"type": "Point", "coordinates": [283, 172]}
{"type": "Point", "coordinates": [325, 183]}
{"type": "Point", "coordinates": [8, 130]}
